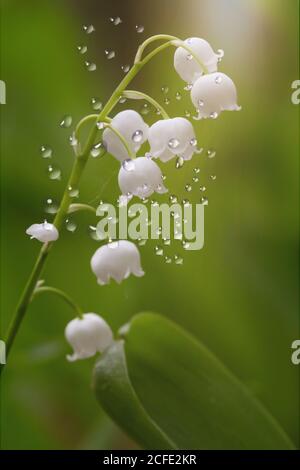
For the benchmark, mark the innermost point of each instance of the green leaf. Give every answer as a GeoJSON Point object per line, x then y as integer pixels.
{"type": "Point", "coordinates": [167, 390]}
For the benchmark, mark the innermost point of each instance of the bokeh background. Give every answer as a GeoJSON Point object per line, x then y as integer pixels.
{"type": "Point", "coordinates": [239, 295]}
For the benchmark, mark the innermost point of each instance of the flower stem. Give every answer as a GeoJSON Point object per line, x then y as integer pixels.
{"type": "Point", "coordinates": [138, 95]}
{"type": "Point", "coordinates": [122, 139]}
{"type": "Point", "coordinates": [61, 294]}
{"type": "Point", "coordinates": [76, 173]}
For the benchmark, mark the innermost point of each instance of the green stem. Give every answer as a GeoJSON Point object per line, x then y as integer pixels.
{"type": "Point", "coordinates": [83, 121]}
{"type": "Point", "coordinates": [138, 95]}
{"type": "Point", "coordinates": [122, 139]}
{"type": "Point", "coordinates": [61, 294]}
{"type": "Point", "coordinates": [157, 37]}
{"type": "Point", "coordinates": [76, 173]}
{"type": "Point", "coordinates": [80, 207]}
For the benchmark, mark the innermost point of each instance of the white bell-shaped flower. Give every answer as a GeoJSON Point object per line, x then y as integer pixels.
{"type": "Point", "coordinates": [214, 93]}
{"type": "Point", "coordinates": [140, 177]}
{"type": "Point", "coordinates": [170, 137]}
{"type": "Point", "coordinates": [185, 64]}
{"type": "Point", "coordinates": [44, 232]}
{"type": "Point", "coordinates": [134, 130]}
{"type": "Point", "coordinates": [116, 260]}
{"type": "Point", "coordinates": [87, 336]}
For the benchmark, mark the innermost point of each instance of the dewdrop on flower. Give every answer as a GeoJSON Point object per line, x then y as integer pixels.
{"type": "Point", "coordinates": [116, 260]}
{"type": "Point", "coordinates": [171, 137]}
{"type": "Point", "coordinates": [185, 64]}
{"type": "Point", "coordinates": [44, 232]}
{"type": "Point", "coordinates": [87, 336]}
{"type": "Point", "coordinates": [214, 93]}
{"type": "Point", "coordinates": [140, 177]}
{"type": "Point", "coordinates": [134, 130]}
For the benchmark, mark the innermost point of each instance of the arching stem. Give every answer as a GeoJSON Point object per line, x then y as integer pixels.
{"type": "Point", "coordinates": [138, 95]}
{"type": "Point", "coordinates": [62, 295]}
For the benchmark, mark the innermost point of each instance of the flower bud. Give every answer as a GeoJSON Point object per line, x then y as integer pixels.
{"type": "Point", "coordinates": [134, 130]}
{"type": "Point", "coordinates": [214, 93]}
{"type": "Point", "coordinates": [116, 260]}
{"type": "Point", "coordinates": [44, 232]}
{"type": "Point", "coordinates": [185, 64]}
{"type": "Point", "coordinates": [87, 336]}
{"type": "Point", "coordinates": [170, 137]}
{"type": "Point", "coordinates": [140, 177]}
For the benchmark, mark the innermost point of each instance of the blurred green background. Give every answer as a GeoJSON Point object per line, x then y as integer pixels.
{"type": "Point", "coordinates": [239, 295]}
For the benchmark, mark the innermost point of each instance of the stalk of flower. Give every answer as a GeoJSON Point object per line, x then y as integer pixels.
{"type": "Point", "coordinates": [123, 136]}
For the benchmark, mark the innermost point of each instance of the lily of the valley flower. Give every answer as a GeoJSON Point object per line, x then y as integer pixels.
{"type": "Point", "coordinates": [116, 260]}
{"type": "Point", "coordinates": [44, 232]}
{"type": "Point", "coordinates": [214, 93]}
{"type": "Point", "coordinates": [170, 137]}
{"type": "Point", "coordinates": [134, 130]}
{"type": "Point", "coordinates": [140, 177]}
{"type": "Point", "coordinates": [87, 336]}
{"type": "Point", "coordinates": [185, 64]}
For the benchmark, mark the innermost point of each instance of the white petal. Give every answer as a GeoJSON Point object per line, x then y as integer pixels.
{"type": "Point", "coordinates": [214, 93]}
{"type": "Point", "coordinates": [44, 232]}
{"type": "Point", "coordinates": [116, 260]}
{"type": "Point", "coordinates": [170, 137]}
{"type": "Point", "coordinates": [141, 178]}
{"type": "Point", "coordinates": [87, 336]}
{"type": "Point", "coordinates": [128, 123]}
{"type": "Point", "coordinates": [187, 67]}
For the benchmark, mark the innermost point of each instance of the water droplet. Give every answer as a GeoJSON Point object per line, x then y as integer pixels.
{"type": "Point", "coordinates": [220, 54]}
{"type": "Point", "coordinates": [193, 142]}
{"type": "Point", "coordinates": [71, 226]}
{"type": "Point", "coordinates": [189, 56]}
{"type": "Point", "coordinates": [196, 170]}
{"type": "Point", "coordinates": [204, 201]}
{"type": "Point", "coordinates": [178, 96]}
{"type": "Point", "coordinates": [92, 231]}
{"type": "Point", "coordinates": [185, 202]}
{"type": "Point", "coordinates": [187, 113]}
{"type": "Point", "coordinates": [188, 87]}
{"type": "Point", "coordinates": [173, 198]}
{"type": "Point", "coordinates": [66, 121]}
{"type": "Point", "coordinates": [73, 141]}
{"type": "Point", "coordinates": [218, 79]}
{"type": "Point", "coordinates": [50, 206]}
{"type": "Point", "coordinates": [165, 89]}
{"type": "Point", "coordinates": [179, 163]}
{"type": "Point", "coordinates": [214, 115]}
{"type": "Point", "coordinates": [137, 136]}
{"type": "Point", "coordinates": [91, 66]}
{"type": "Point", "coordinates": [142, 241]}
{"type": "Point", "coordinates": [188, 187]}
{"type": "Point", "coordinates": [54, 172]}
{"type": "Point", "coordinates": [73, 192]}
{"type": "Point", "coordinates": [88, 28]}
{"type": "Point", "coordinates": [96, 104]}
{"type": "Point", "coordinates": [159, 250]}
{"type": "Point", "coordinates": [168, 260]}
{"type": "Point", "coordinates": [139, 28]}
{"type": "Point", "coordinates": [115, 21]}
{"type": "Point", "coordinates": [185, 244]}
{"type": "Point", "coordinates": [211, 153]}
{"type": "Point", "coordinates": [82, 49]}
{"type": "Point", "coordinates": [128, 165]}
{"type": "Point", "coordinates": [166, 101]}
{"type": "Point", "coordinates": [100, 125]}
{"type": "Point", "coordinates": [173, 143]}
{"type": "Point", "coordinates": [166, 241]}
{"type": "Point", "coordinates": [158, 231]}
{"type": "Point", "coordinates": [202, 189]}
{"type": "Point", "coordinates": [122, 100]}
{"type": "Point", "coordinates": [178, 259]}
{"type": "Point", "coordinates": [98, 150]}
{"type": "Point", "coordinates": [213, 177]}
{"type": "Point", "coordinates": [110, 54]}
{"type": "Point", "coordinates": [200, 103]}
{"type": "Point", "coordinates": [145, 109]}
{"type": "Point", "coordinates": [46, 152]}
{"type": "Point", "coordinates": [125, 68]}
{"type": "Point", "coordinates": [163, 177]}
{"type": "Point", "coordinates": [195, 179]}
